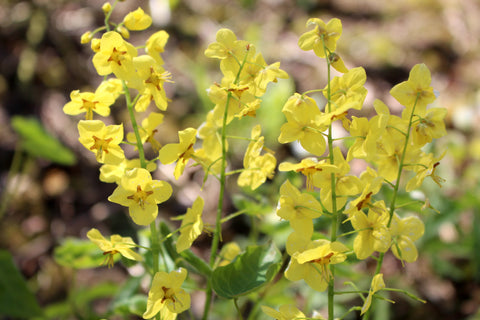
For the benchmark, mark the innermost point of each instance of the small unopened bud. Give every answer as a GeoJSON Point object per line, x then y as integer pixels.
{"type": "Point", "coordinates": [107, 7]}
{"type": "Point", "coordinates": [86, 37]}
{"type": "Point", "coordinates": [95, 45]}
{"type": "Point", "coordinates": [124, 32]}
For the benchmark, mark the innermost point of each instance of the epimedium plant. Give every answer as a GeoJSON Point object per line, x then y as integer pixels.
{"type": "Point", "coordinates": [392, 149]}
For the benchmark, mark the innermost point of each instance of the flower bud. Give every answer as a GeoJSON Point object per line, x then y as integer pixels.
{"type": "Point", "coordinates": [107, 7]}
{"type": "Point", "coordinates": [124, 32]}
{"type": "Point", "coordinates": [86, 37]}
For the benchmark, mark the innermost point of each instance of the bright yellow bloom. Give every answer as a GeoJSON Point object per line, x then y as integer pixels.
{"type": "Point", "coordinates": [180, 152]}
{"type": "Point", "coordinates": [416, 91]}
{"type": "Point", "coordinates": [370, 186]}
{"type": "Point", "coordinates": [192, 226]}
{"type": "Point", "coordinates": [373, 234]}
{"type": "Point", "coordinates": [166, 295]}
{"type": "Point", "coordinates": [117, 244]}
{"type": "Point", "coordinates": [312, 265]}
{"type": "Point", "coordinates": [286, 312]}
{"type": "Point", "coordinates": [137, 20]}
{"type": "Point", "coordinates": [298, 208]}
{"type": "Point", "coordinates": [257, 167]}
{"type": "Point", "coordinates": [302, 114]}
{"type": "Point", "coordinates": [431, 126]}
{"type": "Point", "coordinates": [211, 149]}
{"type": "Point", "coordinates": [102, 140]}
{"type": "Point", "coordinates": [141, 194]}
{"type": "Point", "coordinates": [150, 78]}
{"type": "Point", "coordinates": [309, 167]}
{"type": "Point", "coordinates": [404, 232]}
{"type": "Point", "coordinates": [156, 45]}
{"type": "Point", "coordinates": [322, 35]}
{"type": "Point", "coordinates": [148, 130]}
{"type": "Point", "coordinates": [89, 102]}
{"type": "Point", "coordinates": [114, 173]}
{"type": "Point", "coordinates": [377, 285]}
{"type": "Point", "coordinates": [114, 55]}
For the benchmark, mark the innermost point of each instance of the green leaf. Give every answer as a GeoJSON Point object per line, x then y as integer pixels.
{"type": "Point", "coordinates": [79, 254]}
{"type": "Point", "coordinates": [16, 300]}
{"type": "Point", "coordinates": [39, 143]}
{"type": "Point", "coordinates": [250, 271]}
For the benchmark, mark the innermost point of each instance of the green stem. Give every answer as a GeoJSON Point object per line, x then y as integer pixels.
{"type": "Point", "coordinates": [395, 193]}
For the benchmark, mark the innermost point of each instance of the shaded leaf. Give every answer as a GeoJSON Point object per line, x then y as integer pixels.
{"type": "Point", "coordinates": [79, 254]}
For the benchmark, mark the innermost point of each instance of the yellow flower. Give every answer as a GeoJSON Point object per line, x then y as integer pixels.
{"type": "Point", "coordinates": [309, 167]}
{"type": "Point", "coordinates": [426, 166]}
{"type": "Point", "coordinates": [89, 102]}
{"type": "Point", "coordinates": [404, 232]}
{"type": "Point", "coordinates": [416, 91]}
{"type": "Point", "coordinates": [302, 114]}
{"type": "Point", "coordinates": [180, 152]}
{"type": "Point", "coordinates": [141, 194]}
{"type": "Point", "coordinates": [114, 55]}
{"type": "Point", "coordinates": [166, 295]}
{"type": "Point", "coordinates": [192, 226]}
{"type": "Point", "coordinates": [117, 244]}
{"type": "Point", "coordinates": [373, 234]}
{"type": "Point", "coordinates": [149, 79]}
{"type": "Point", "coordinates": [377, 285]}
{"type": "Point", "coordinates": [137, 20]}
{"type": "Point", "coordinates": [148, 130]}
{"type": "Point", "coordinates": [257, 167]}
{"type": "Point", "coordinates": [431, 126]}
{"type": "Point", "coordinates": [86, 37]}
{"type": "Point", "coordinates": [312, 265]}
{"type": "Point", "coordinates": [114, 173]}
{"type": "Point", "coordinates": [298, 208]}
{"type": "Point", "coordinates": [286, 312]}
{"type": "Point", "coordinates": [156, 45]}
{"type": "Point", "coordinates": [102, 140]}
{"type": "Point", "coordinates": [327, 34]}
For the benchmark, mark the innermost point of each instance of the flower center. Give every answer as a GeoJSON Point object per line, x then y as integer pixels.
{"type": "Point", "coordinates": [101, 145]}
{"type": "Point", "coordinates": [140, 197]}
{"type": "Point", "coordinates": [117, 56]}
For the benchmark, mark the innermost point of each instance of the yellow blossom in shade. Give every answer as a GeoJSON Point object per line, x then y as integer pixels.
{"type": "Point", "coordinates": [327, 34]}
{"type": "Point", "coordinates": [229, 50]}
{"type": "Point", "coordinates": [89, 102]}
{"type": "Point", "coordinates": [114, 173]}
{"type": "Point", "coordinates": [373, 234]}
{"type": "Point", "coordinates": [302, 114]}
{"type": "Point", "coordinates": [102, 140]}
{"type": "Point", "coordinates": [377, 285]}
{"type": "Point", "coordinates": [192, 226]}
{"type": "Point", "coordinates": [298, 208]}
{"type": "Point", "coordinates": [416, 91]}
{"type": "Point", "coordinates": [117, 244]}
{"type": "Point", "coordinates": [313, 264]}
{"type": "Point", "coordinates": [148, 130]}
{"type": "Point", "coordinates": [141, 194]}
{"type": "Point", "coordinates": [257, 167]}
{"type": "Point", "coordinates": [430, 126]}
{"type": "Point", "coordinates": [308, 167]}
{"type": "Point", "coordinates": [166, 295]}
{"type": "Point", "coordinates": [285, 312]}
{"type": "Point", "coordinates": [370, 186]}
{"type": "Point", "coordinates": [229, 252]}
{"type": "Point", "coordinates": [426, 166]}
{"type": "Point", "coordinates": [150, 77]}
{"type": "Point", "coordinates": [404, 232]}
{"type": "Point", "coordinates": [114, 55]}
{"type": "Point", "coordinates": [180, 152]}
{"type": "Point", "coordinates": [156, 45]}
{"type": "Point", "coordinates": [137, 20]}
{"type": "Point", "coordinates": [112, 86]}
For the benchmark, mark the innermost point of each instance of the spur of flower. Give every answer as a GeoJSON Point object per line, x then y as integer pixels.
{"type": "Point", "coordinates": [116, 244]}
{"type": "Point", "coordinates": [141, 194]}
{"type": "Point", "coordinates": [166, 295]}
{"type": "Point", "coordinates": [192, 225]}
{"type": "Point", "coordinates": [102, 140]}
{"type": "Point", "coordinates": [313, 264]}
